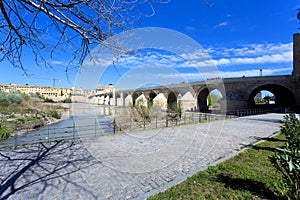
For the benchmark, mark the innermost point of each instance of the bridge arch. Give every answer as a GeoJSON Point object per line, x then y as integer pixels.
{"type": "Point", "coordinates": [135, 95]}
{"type": "Point", "coordinates": [203, 101]}
{"type": "Point", "coordinates": [284, 97]}
{"type": "Point", "coordinates": [151, 97]}
{"type": "Point", "coordinates": [171, 101]}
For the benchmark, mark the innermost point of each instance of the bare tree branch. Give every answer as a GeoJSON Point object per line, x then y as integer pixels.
{"type": "Point", "coordinates": [49, 27]}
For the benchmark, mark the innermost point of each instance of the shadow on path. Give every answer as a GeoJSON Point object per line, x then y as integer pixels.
{"type": "Point", "coordinates": [24, 167]}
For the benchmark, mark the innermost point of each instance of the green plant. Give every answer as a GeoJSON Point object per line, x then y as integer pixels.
{"type": "Point", "coordinates": [67, 100]}
{"type": "Point", "coordinates": [4, 135]}
{"type": "Point", "coordinates": [178, 109]}
{"type": "Point", "coordinates": [213, 100]}
{"type": "Point", "coordinates": [142, 109]}
{"type": "Point", "coordinates": [5, 130]}
{"type": "Point", "coordinates": [286, 160]}
{"type": "Point", "coordinates": [248, 175]}
{"type": "Point", "coordinates": [10, 98]}
{"type": "Point", "coordinates": [47, 100]}
{"type": "Point", "coordinates": [54, 114]}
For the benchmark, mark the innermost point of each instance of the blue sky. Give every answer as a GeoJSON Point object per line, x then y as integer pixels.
{"type": "Point", "coordinates": [241, 37]}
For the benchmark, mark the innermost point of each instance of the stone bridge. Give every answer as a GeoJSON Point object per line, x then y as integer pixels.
{"type": "Point", "coordinates": [237, 93]}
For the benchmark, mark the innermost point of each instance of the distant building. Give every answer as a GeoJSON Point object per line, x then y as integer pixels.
{"type": "Point", "coordinates": [41, 90]}
{"type": "Point", "coordinates": [106, 89]}
{"type": "Point", "coordinates": [59, 94]}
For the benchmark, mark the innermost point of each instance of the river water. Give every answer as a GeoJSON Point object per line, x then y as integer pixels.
{"type": "Point", "coordinates": [83, 120]}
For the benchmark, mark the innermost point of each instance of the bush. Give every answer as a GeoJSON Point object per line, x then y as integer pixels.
{"type": "Point", "coordinates": [178, 109]}
{"type": "Point", "coordinates": [10, 98]}
{"type": "Point", "coordinates": [54, 114]}
{"type": "Point", "coordinates": [67, 100]}
{"type": "Point", "coordinates": [286, 160]}
{"type": "Point", "coordinates": [142, 109]}
{"type": "Point", "coordinates": [5, 130]}
{"type": "Point", "coordinates": [47, 100]}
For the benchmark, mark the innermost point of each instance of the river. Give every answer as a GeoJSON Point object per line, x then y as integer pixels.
{"type": "Point", "coordinates": [83, 120]}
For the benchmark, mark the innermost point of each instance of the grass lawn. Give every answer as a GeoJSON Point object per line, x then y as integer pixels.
{"type": "Point", "coordinates": [248, 175]}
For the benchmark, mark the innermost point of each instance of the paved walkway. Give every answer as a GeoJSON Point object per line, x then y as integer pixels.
{"type": "Point", "coordinates": [127, 166]}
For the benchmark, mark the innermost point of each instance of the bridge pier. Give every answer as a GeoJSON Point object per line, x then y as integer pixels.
{"type": "Point", "coordinates": [160, 101]}
{"type": "Point", "coordinates": [236, 105]}
{"type": "Point", "coordinates": [128, 100]}
{"type": "Point", "coordinates": [188, 102]}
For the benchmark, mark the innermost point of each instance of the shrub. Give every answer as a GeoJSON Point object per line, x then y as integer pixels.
{"type": "Point", "coordinates": [142, 109]}
{"type": "Point", "coordinates": [47, 100]}
{"type": "Point", "coordinates": [10, 98]}
{"type": "Point", "coordinates": [67, 100]}
{"type": "Point", "coordinates": [54, 114]}
{"type": "Point", "coordinates": [286, 160]}
{"type": "Point", "coordinates": [178, 109]}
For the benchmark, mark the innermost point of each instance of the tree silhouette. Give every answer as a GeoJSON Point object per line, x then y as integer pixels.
{"type": "Point", "coordinates": [46, 27]}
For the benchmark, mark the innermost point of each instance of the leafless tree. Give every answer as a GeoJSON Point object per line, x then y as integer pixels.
{"type": "Point", "coordinates": [46, 27]}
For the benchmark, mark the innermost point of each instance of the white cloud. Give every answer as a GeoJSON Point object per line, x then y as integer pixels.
{"type": "Point", "coordinates": [248, 54]}
{"type": "Point", "coordinates": [250, 50]}
{"type": "Point", "coordinates": [56, 62]}
{"type": "Point", "coordinates": [223, 74]}
{"type": "Point", "coordinates": [253, 72]}
{"type": "Point", "coordinates": [265, 59]}
{"type": "Point", "coordinates": [190, 29]}
{"type": "Point", "coordinates": [221, 24]}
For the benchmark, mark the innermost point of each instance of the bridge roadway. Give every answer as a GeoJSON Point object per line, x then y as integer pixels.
{"type": "Point", "coordinates": [126, 166]}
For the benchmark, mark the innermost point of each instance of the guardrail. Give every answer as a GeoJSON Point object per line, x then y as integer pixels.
{"type": "Point", "coordinates": [163, 119]}
{"type": "Point", "coordinates": [72, 130]}
{"type": "Point", "coordinates": [94, 127]}
{"type": "Point", "coordinates": [247, 112]}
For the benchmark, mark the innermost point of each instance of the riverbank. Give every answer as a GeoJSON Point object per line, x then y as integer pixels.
{"type": "Point", "coordinates": [39, 124]}
{"type": "Point", "coordinates": [18, 121]}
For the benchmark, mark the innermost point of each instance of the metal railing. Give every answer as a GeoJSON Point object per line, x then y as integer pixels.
{"type": "Point", "coordinates": [72, 130]}
{"type": "Point", "coordinates": [162, 120]}
{"type": "Point", "coordinates": [247, 112]}
{"type": "Point", "coordinates": [94, 127]}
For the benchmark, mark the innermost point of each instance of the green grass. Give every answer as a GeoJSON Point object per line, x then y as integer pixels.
{"type": "Point", "coordinates": [248, 175]}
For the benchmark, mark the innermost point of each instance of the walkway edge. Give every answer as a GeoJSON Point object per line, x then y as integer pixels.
{"type": "Point", "coordinates": [190, 174]}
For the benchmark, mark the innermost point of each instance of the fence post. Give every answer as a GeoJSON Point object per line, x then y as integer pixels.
{"type": "Point", "coordinates": [95, 126]}
{"type": "Point", "coordinates": [48, 133]}
{"type": "Point", "coordinates": [114, 125]}
{"type": "Point", "coordinates": [167, 120]}
{"type": "Point", "coordinates": [73, 129]}
{"type": "Point", "coordinates": [184, 118]}
{"type": "Point", "coordinates": [16, 129]}
{"type": "Point", "coordinates": [144, 122]}
{"type": "Point", "coordinates": [130, 123]}
{"type": "Point", "coordinates": [16, 126]}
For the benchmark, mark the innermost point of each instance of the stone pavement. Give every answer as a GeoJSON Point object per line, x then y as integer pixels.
{"type": "Point", "coordinates": [126, 166]}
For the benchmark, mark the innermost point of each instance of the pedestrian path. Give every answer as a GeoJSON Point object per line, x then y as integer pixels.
{"type": "Point", "coordinates": [126, 166]}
